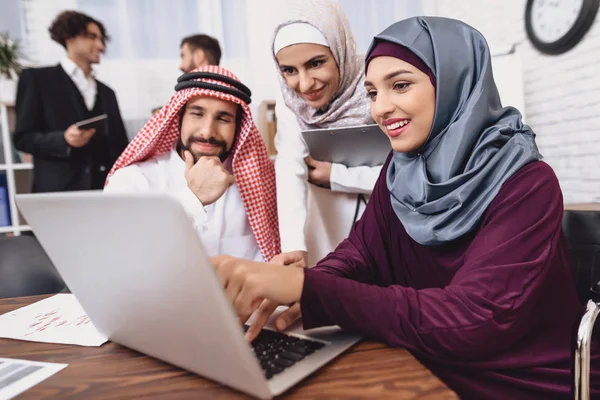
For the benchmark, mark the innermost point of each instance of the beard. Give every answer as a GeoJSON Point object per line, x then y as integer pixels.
{"type": "Point", "coordinates": [189, 67]}
{"type": "Point", "coordinates": [222, 154]}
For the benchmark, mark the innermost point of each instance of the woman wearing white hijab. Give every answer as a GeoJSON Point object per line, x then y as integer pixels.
{"type": "Point", "coordinates": [321, 79]}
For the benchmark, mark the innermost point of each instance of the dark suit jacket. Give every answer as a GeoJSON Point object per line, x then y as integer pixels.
{"type": "Point", "coordinates": [48, 102]}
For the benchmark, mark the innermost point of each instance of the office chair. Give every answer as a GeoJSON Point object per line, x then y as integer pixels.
{"type": "Point", "coordinates": [581, 228]}
{"type": "Point", "coordinates": [25, 269]}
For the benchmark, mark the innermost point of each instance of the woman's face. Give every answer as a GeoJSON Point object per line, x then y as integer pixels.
{"type": "Point", "coordinates": [311, 71]}
{"type": "Point", "coordinates": [402, 102]}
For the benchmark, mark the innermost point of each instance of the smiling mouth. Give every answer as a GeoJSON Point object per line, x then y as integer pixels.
{"type": "Point", "coordinates": [397, 127]}
{"type": "Point", "coordinates": [314, 95]}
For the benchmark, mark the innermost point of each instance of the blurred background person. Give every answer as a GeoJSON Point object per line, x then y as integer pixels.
{"type": "Point", "coordinates": [199, 51]}
{"type": "Point", "coordinates": [51, 100]}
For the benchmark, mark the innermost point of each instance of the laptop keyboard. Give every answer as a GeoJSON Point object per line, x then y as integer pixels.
{"type": "Point", "coordinates": [277, 351]}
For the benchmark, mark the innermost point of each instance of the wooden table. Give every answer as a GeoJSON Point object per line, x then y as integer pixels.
{"type": "Point", "coordinates": [368, 370]}
{"type": "Point", "coordinates": [583, 207]}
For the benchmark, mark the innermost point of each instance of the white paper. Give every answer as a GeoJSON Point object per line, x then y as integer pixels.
{"type": "Point", "coordinates": [57, 319]}
{"type": "Point", "coordinates": [16, 376]}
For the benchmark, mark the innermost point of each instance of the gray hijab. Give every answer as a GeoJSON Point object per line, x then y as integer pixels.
{"type": "Point", "coordinates": [441, 192]}
{"type": "Point", "coordinates": [349, 105]}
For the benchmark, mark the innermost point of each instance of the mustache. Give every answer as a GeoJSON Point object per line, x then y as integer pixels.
{"type": "Point", "coordinates": [199, 139]}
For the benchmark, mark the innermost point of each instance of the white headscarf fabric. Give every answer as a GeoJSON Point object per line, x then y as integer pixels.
{"type": "Point", "coordinates": [298, 32]}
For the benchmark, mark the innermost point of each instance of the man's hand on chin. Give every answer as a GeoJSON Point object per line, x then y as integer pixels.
{"type": "Point", "coordinates": [207, 179]}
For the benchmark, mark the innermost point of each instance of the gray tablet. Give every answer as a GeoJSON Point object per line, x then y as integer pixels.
{"type": "Point", "coordinates": [352, 146]}
{"type": "Point", "coordinates": [99, 123]}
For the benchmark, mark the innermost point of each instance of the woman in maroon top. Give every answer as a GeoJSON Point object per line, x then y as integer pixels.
{"type": "Point", "coordinates": [459, 256]}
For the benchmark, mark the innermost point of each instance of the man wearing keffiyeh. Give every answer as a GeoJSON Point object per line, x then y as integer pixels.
{"type": "Point", "coordinates": [203, 148]}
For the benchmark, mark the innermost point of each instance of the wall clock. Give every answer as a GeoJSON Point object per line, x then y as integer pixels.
{"type": "Point", "coordinates": [556, 26]}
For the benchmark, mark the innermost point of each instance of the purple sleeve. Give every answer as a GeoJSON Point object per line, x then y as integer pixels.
{"type": "Point", "coordinates": [350, 264]}
{"type": "Point", "coordinates": [508, 268]}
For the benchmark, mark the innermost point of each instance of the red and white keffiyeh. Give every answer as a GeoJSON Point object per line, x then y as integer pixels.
{"type": "Point", "coordinates": [253, 170]}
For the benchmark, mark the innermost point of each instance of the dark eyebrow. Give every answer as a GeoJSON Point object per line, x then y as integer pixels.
{"type": "Point", "coordinates": [391, 75]}
{"type": "Point", "coordinates": [219, 113]}
{"type": "Point", "coordinates": [196, 108]}
{"type": "Point", "coordinates": [316, 58]}
{"type": "Point", "coordinates": [94, 35]}
{"type": "Point", "coordinates": [225, 114]}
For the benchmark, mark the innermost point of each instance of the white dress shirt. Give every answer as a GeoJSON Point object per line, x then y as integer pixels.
{"type": "Point", "coordinates": [223, 226]}
{"type": "Point", "coordinates": [86, 84]}
{"type": "Point", "coordinates": [293, 200]}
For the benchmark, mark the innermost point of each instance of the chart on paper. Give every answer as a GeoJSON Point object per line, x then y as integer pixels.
{"type": "Point", "coordinates": [57, 319]}
{"type": "Point", "coordinates": [54, 319]}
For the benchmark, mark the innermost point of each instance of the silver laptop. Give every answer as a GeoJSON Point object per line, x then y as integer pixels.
{"type": "Point", "coordinates": [142, 275]}
{"type": "Point", "coordinates": [352, 146]}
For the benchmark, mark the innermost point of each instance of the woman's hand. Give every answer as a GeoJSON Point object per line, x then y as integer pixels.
{"type": "Point", "coordinates": [319, 172]}
{"type": "Point", "coordinates": [248, 283]}
{"type": "Point", "coordinates": [264, 312]}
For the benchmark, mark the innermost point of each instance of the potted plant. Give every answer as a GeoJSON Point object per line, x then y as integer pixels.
{"type": "Point", "coordinates": [10, 68]}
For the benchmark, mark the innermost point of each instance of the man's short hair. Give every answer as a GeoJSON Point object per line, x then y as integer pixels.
{"type": "Point", "coordinates": [69, 24]}
{"type": "Point", "coordinates": [208, 44]}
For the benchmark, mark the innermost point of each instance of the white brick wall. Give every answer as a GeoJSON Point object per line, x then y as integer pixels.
{"type": "Point", "coordinates": [562, 93]}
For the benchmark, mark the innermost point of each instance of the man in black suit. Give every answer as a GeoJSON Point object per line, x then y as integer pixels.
{"type": "Point", "coordinates": [51, 100]}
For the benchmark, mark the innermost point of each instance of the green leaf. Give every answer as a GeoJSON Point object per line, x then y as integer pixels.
{"type": "Point", "coordinates": [9, 56]}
